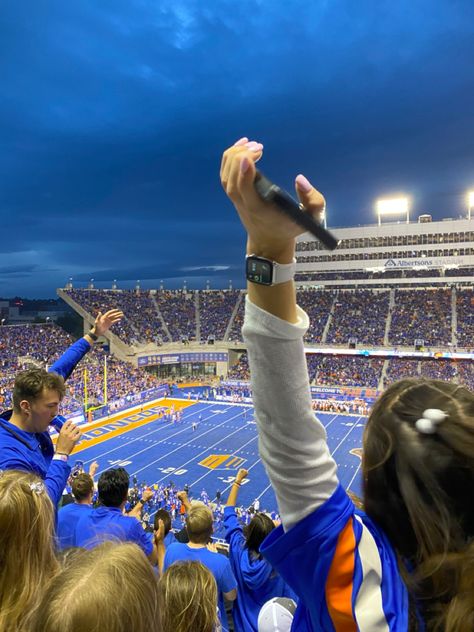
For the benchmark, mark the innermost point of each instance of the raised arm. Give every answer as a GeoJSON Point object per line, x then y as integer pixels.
{"type": "Point", "coordinates": [292, 443]}
{"type": "Point", "coordinates": [183, 497]}
{"type": "Point", "coordinates": [234, 490]}
{"type": "Point", "coordinates": [74, 354]}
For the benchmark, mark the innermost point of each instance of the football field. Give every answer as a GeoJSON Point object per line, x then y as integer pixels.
{"type": "Point", "coordinates": [208, 457]}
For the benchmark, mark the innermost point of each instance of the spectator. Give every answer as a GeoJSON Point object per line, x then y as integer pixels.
{"type": "Point", "coordinates": [188, 598]}
{"type": "Point", "coordinates": [199, 528]}
{"type": "Point", "coordinates": [26, 444]}
{"type": "Point", "coordinates": [410, 555]}
{"type": "Point", "coordinates": [107, 521]}
{"type": "Point", "coordinates": [68, 516]}
{"type": "Point", "coordinates": [165, 517]}
{"type": "Point", "coordinates": [257, 582]}
{"type": "Point", "coordinates": [111, 588]}
{"type": "Point", "coordinates": [26, 544]}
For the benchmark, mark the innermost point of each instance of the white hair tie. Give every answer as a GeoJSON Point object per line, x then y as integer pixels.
{"type": "Point", "coordinates": [430, 420]}
{"type": "Point", "coordinates": [37, 487]}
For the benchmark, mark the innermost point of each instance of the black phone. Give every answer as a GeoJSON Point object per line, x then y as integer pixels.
{"type": "Point", "coordinates": [274, 194]}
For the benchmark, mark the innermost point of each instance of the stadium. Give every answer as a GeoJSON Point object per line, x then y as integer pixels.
{"type": "Point", "coordinates": [395, 300]}
{"type": "Point", "coordinates": [166, 393]}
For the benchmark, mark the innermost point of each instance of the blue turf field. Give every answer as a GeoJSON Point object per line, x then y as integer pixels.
{"type": "Point", "coordinates": [209, 457]}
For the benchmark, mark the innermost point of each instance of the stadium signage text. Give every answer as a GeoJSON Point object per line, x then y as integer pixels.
{"type": "Point", "coordinates": [436, 262]}
{"type": "Point", "coordinates": [177, 358]}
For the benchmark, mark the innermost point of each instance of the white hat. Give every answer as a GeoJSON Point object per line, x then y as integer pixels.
{"type": "Point", "coordinates": [276, 615]}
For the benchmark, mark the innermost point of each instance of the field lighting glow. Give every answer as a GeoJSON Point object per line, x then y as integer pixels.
{"type": "Point", "coordinates": [393, 206]}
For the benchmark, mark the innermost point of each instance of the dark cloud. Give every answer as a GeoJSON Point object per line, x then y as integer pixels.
{"type": "Point", "coordinates": [114, 115]}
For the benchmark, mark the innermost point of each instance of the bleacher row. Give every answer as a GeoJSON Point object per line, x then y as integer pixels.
{"type": "Point", "coordinates": [438, 317]}
{"type": "Point", "coordinates": [329, 370]}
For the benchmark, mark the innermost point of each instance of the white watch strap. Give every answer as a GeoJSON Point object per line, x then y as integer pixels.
{"type": "Point", "coordinates": [283, 272]}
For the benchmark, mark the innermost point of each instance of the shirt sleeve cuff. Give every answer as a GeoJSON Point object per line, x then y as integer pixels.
{"type": "Point", "coordinates": [258, 321]}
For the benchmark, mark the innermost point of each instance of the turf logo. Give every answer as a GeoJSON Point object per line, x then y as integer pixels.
{"type": "Point", "coordinates": [222, 461]}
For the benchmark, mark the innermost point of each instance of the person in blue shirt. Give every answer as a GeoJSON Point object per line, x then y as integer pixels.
{"type": "Point", "coordinates": [165, 517]}
{"type": "Point", "coordinates": [25, 443]}
{"type": "Point", "coordinates": [108, 522]}
{"type": "Point", "coordinates": [257, 581]}
{"type": "Point", "coordinates": [199, 528]}
{"type": "Point", "coordinates": [404, 562]}
{"type": "Point", "coordinates": [69, 516]}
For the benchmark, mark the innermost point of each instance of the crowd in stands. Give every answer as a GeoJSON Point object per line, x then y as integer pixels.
{"type": "Point", "coordinates": [318, 306]}
{"type": "Point", "coordinates": [240, 370]}
{"type": "Point", "coordinates": [235, 333]}
{"type": "Point", "coordinates": [421, 315]}
{"type": "Point", "coordinates": [438, 369]}
{"type": "Point", "coordinates": [465, 370]}
{"type": "Point", "coordinates": [215, 311]}
{"type": "Point", "coordinates": [424, 314]}
{"type": "Point", "coordinates": [22, 345]}
{"type": "Point", "coordinates": [361, 315]}
{"type": "Point", "coordinates": [348, 371]}
{"type": "Point", "coordinates": [179, 313]}
{"type": "Point", "coordinates": [399, 368]}
{"type": "Point", "coordinates": [465, 318]}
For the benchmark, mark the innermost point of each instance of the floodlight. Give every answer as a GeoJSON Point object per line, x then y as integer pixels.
{"type": "Point", "coordinates": [470, 197]}
{"type": "Point", "coordinates": [395, 206]}
{"type": "Point", "coordinates": [392, 206]}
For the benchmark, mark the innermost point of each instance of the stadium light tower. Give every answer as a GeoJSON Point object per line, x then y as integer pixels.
{"type": "Point", "coordinates": [393, 206]}
{"type": "Point", "coordinates": [470, 204]}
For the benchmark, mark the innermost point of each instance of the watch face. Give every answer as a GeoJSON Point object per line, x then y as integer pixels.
{"type": "Point", "coordinates": [259, 270]}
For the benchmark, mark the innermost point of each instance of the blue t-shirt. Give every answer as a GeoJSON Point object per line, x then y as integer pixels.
{"type": "Point", "coordinates": [68, 517]}
{"type": "Point", "coordinates": [257, 581]}
{"type": "Point", "coordinates": [218, 564]}
{"type": "Point", "coordinates": [343, 569]}
{"type": "Point", "coordinates": [109, 523]}
{"type": "Point", "coordinates": [169, 538]}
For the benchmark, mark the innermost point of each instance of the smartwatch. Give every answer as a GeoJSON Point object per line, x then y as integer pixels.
{"type": "Point", "coordinates": [267, 272]}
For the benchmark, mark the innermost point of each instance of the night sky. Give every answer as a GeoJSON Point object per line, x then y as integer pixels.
{"type": "Point", "coordinates": [114, 114]}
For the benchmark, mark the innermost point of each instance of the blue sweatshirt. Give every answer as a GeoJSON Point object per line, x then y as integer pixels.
{"type": "Point", "coordinates": [256, 578]}
{"type": "Point", "coordinates": [33, 451]}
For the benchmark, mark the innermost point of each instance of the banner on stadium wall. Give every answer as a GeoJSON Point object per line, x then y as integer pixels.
{"type": "Point", "coordinates": [241, 383]}
{"type": "Point", "coordinates": [423, 262]}
{"type": "Point", "coordinates": [389, 353]}
{"type": "Point", "coordinates": [178, 358]}
{"type": "Point", "coordinates": [344, 392]}
{"type": "Point", "coordinates": [234, 399]}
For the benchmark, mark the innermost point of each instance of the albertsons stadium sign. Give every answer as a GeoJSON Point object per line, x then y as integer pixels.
{"type": "Point", "coordinates": [424, 262]}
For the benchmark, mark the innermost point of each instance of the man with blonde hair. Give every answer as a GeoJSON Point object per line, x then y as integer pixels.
{"type": "Point", "coordinates": [199, 548]}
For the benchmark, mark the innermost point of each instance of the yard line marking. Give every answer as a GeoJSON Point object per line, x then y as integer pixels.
{"type": "Point", "coordinates": [187, 443]}
{"type": "Point", "coordinates": [353, 478]}
{"type": "Point", "coordinates": [139, 438]}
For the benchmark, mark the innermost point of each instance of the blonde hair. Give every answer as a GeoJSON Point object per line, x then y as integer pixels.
{"type": "Point", "coordinates": [27, 558]}
{"type": "Point", "coordinates": [111, 588]}
{"type": "Point", "coordinates": [199, 524]}
{"type": "Point", "coordinates": [188, 598]}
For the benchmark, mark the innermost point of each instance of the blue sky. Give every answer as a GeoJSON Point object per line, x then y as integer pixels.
{"type": "Point", "coordinates": [114, 114]}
